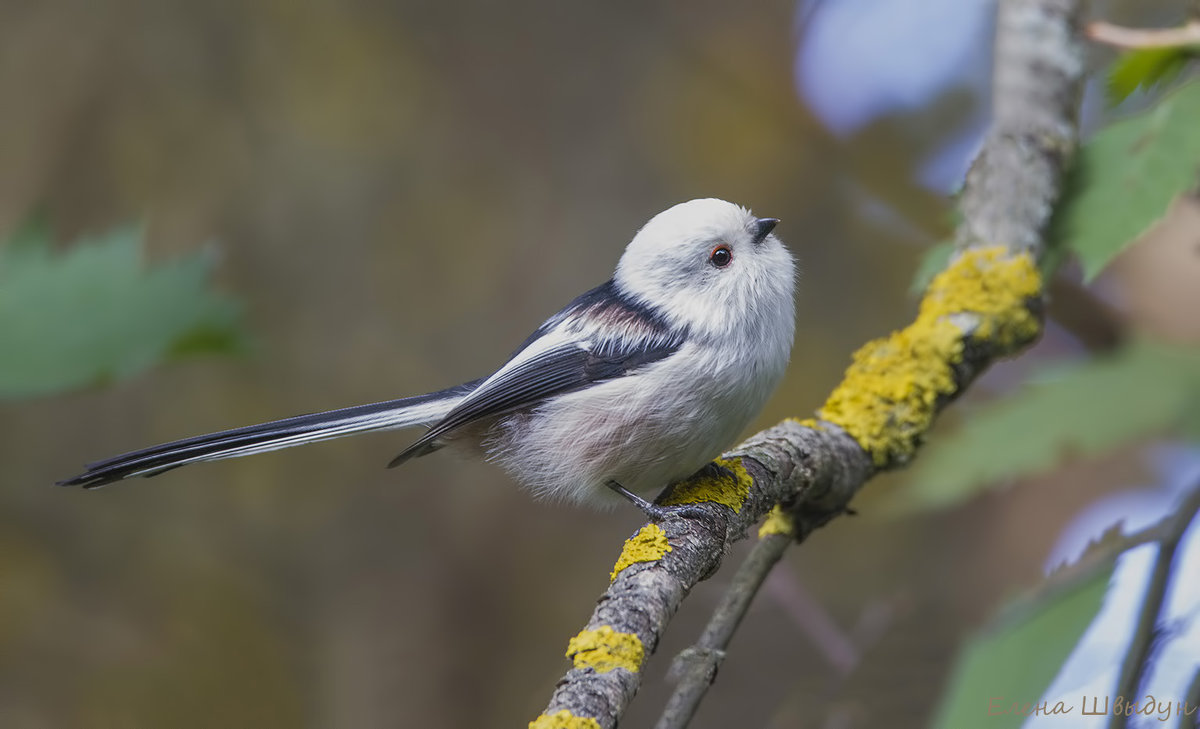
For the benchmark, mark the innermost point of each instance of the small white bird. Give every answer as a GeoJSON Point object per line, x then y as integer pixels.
{"type": "Point", "coordinates": [635, 385]}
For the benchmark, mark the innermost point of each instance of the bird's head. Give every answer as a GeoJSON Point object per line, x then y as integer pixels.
{"type": "Point", "coordinates": [711, 266]}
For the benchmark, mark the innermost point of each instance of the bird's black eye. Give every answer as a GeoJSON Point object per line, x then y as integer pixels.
{"type": "Point", "coordinates": [721, 256]}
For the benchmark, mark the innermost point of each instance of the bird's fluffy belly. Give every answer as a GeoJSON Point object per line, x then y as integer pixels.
{"type": "Point", "coordinates": [569, 449]}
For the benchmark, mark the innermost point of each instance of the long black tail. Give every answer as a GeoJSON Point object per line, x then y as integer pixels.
{"type": "Point", "coordinates": [409, 411]}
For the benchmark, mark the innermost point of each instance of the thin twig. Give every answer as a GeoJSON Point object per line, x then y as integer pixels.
{"type": "Point", "coordinates": [1134, 665]}
{"type": "Point", "coordinates": [696, 667]}
{"type": "Point", "coordinates": [1131, 39]}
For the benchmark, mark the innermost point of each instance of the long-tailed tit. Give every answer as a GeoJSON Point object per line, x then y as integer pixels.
{"type": "Point", "coordinates": [636, 384]}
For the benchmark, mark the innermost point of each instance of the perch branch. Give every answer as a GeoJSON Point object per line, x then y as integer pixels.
{"type": "Point", "coordinates": [984, 306]}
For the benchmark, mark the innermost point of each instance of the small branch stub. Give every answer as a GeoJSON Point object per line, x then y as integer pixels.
{"type": "Point", "coordinates": [1132, 39]}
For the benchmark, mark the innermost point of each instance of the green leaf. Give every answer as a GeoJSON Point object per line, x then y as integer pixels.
{"type": "Point", "coordinates": [933, 262]}
{"type": "Point", "coordinates": [1127, 176]}
{"type": "Point", "coordinates": [1145, 68]}
{"type": "Point", "coordinates": [31, 238]}
{"type": "Point", "coordinates": [1014, 661]}
{"type": "Point", "coordinates": [95, 313]}
{"type": "Point", "coordinates": [1081, 409]}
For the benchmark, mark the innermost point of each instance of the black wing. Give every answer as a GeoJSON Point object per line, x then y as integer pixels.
{"type": "Point", "coordinates": [626, 336]}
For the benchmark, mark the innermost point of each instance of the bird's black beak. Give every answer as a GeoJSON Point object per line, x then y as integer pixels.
{"type": "Point", "coordinates": [762, 228]}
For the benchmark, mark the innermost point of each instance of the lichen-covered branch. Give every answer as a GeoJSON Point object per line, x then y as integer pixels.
{"type": "Point", "coordinates": [984, 306]}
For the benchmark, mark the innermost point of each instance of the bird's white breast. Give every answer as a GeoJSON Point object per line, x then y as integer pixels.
{"type": "Point", "coordinates": [643, 431]}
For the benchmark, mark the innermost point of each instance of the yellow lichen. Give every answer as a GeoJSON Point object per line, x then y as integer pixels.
{"type": "Point", "coordinates": [778, 522]}
{"type": "Point", "coordinates": [649, 544]}
{"type": "Point", "coordinates": [811, 423]}
{"type": "Point", "coordinates": [563, 720]}
{"type": "Point", "coordinates": [891, 390]}
{"type": "Point", "coordinates": [996, 286]}
{"type": "Point", "coordinates": [604, 649]}
{"type": "Point", "coordinates": [729, 486]}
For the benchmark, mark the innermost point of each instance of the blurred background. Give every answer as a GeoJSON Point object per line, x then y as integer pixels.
{"type": "Point", "coordinates": [397, 194]}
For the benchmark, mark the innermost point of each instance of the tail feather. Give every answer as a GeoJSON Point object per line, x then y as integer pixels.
{"type": "Point", "coordinates": [421, 410]}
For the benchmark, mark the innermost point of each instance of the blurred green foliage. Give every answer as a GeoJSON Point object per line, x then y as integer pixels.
{"type": "Point", "coordinates": [1126, 177]}
{"type": "Point", "coordinates": [1016, 658]}
{"type": "Point", "coordinates": [1083, 408]}
{"type": "Point", "coordinates": [1146, 68]}
{"type": "Point", "coordinates": [95, 312]}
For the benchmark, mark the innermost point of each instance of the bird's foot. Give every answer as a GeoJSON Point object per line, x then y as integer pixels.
{"type": "Point", "coordinates": [658, 512]}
